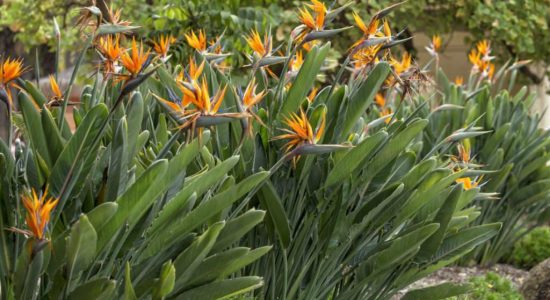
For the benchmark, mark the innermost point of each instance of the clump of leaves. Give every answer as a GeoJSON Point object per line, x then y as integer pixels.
{"type": "Point", "coordinates": [510, 166]}
{"type": "Point", "coordinates": [532, 249]}
{"type": "Point", "coordinates": [159, 184]}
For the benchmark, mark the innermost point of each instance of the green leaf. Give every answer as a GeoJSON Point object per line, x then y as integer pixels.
{"type": "Point", "coordinates": [31, 115]}
{"type": "Point", "coordinates": [429, 189]}
{"type": "Point", "coordinates": [134, 203]}
{"type": "Point", "coordinates": [101, 288]}
{"type": "Point", "coordinates": [129, 293]}
{"type": "Point", "coordinates": [212, 268]}
{"type": "Point", "coordinates": [465, 239]}
{"type": "Point", "coordinates": [34, 92]}
{"type": "Point", "coordinates": [398, 250]}
{"type": "Point", "coordinates": [440, 291]}
{"type": "Point", "coordinates": [166, 281]}
{"type": "Point", "coordinates": [28, 269]}
{"type": "Point", "coordinates": [135, 117]}
{"type": "Point", "coordinates": [168, 81]}
{"type": "Point", "coordinates": [354, 158]}
{"type": "Point", "coordinates": [304, 80]}
{"type": "Point", "coordinates": [203, 182]}
{"type": "Point", "coordinates": [101, 214]}
{"type": "Point", "coordinates": [270, 200]}
{"type": "Point", "coordinates": [73, 158]}
{"type": "Point", "coordinates": [114, 29]}
{"type": "Point", "coordinates": [118, 158]}
{"type": "Point", "coordinates": [223, 289]}
{"type": "Point", "coordinates": [236, 228]}
{"type": "Point", "coordinates": [443, 218]}
{"type": "Point", "coordinates": [360, 100]}
{"type": "Point", "coordinates": [56, 143]}
{"type": "Point", "coordinates": [395, 145]}
{"type": "Point", "coordinates": [224, 264]}
{"type": "Point", "coordinates": [170, 210]}
{"type": "Point", "coordinates": [180, 227]}
{"type": "Point", "coordinates": [81, 246]}
{"type": "Point", "coordinates": [187, 262]}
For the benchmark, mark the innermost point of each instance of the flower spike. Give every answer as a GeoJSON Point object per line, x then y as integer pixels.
{"type": "Point", "coordinates": [197, 42]}
{"type": "Point", "coordinates": [10, 69]}
{"type": "Point", "coordinates": [162, 45]}
{"type": "Point", "coordinates": [134, 61]}
{"type": "Point", "coordinates": [38, 213]}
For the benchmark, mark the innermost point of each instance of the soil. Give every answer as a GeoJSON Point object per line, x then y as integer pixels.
{"type": "Point", "coordinates": [463, 274]}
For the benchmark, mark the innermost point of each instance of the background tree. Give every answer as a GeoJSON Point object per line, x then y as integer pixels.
{"type": "Point", "coordinates": [517, 29]}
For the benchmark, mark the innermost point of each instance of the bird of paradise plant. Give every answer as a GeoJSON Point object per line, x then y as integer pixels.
{"type": "Point", "coordinates": [261, 47]}
{"type": "Point", "coordinates": [482, 112]}
{"type": "Point", "coordinates": [384, 110]}
{"type": "Point", "coordinates": [192, 75]}
{"type": "Point", "coordinates": [295, 64]}
{"type": "Point", "coordinates": [57, 95]}
{"type": "Point", "coordinates": [480, 58]}
{"type": "Point", "coordinates": [400, 69]}
{"type": "Point", "coordinates": [314, 18]}
{"type": "Point", "coordinates": [110, 51]}
{"type": "Point", "coordinates": [312, 94]}
{"type": "Point", "coordinates": [134, 61]}
{"type": "Point", "coordinates": [463, 161]}
{"type": "Point", "coordinates": [162, 45]}
{"type": "Point", "coordinates": [435, 45]}
{"type": "Point", "coordinates": [199, 96]}
{"type": "Point", "coordinates": [10, 70]}
{"type": "Point", "coordinates": [249, 99]}
{"type": "Point", "coordinates": [310, 22]}
{"type": "Point", "coordinates": [300, 132]}
{"type": "Point", "coordinates": [197, 42]}
{"type": "Point", "coordinates": [39, 211]}
{"type": "Point", "coordinates": [262, 53]}
{"type": "Point", "coordinates": [146, 209]}
{"type": "Point", "coordinates": [365, 57]}
{"type": "Point", "coordinates": [372, 34]}
{"type": "Point", "coordinates": [218, 58]}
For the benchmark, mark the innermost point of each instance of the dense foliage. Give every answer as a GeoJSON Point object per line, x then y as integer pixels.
{"type": "Point", "coordinates": [492, 287]}
{"type": "Point", "coordinates": [516, 28]}
{"type": "Point", "coordinates": [182, 180]}
{"type": "Point", "coordinates": [531, 249]}
{"type": "Point", "coordinates": [508, 156]}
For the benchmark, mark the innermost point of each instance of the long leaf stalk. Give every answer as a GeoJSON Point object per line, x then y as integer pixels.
{"type": "Point", "coordinates": [67, 93]}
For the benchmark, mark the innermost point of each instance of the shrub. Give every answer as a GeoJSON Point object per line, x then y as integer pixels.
{"type": "Point", "coordinates": [156, 192]}
{"type": "Point", "coordinates": [507, 155]}
{"type": "Point", "coordinates": [531, 249]}
{"type": "Point", "coordinates": [492, 287]}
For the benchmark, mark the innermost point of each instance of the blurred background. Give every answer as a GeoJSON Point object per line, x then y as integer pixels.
{"type": "Point", "coordinates": [517, 29]}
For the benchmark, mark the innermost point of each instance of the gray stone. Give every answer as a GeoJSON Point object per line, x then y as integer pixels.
{"type": "Point", "coordinates": [537, 284]}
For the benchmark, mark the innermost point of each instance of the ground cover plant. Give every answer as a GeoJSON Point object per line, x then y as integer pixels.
{"type": "Point", "coordinates": [182, 180]}
{"type": "Point", "coordinates": [492, 286]}
{"type": "Point", "coordinates": [531, 249]}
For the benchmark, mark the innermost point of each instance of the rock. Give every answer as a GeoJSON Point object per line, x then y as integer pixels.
{"type": "Point", "coordinates": [537, 284]}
